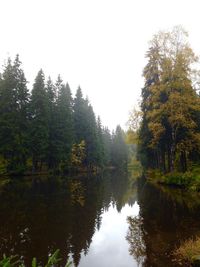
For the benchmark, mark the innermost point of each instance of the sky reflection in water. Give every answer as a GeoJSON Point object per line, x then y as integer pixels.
{"type": "Point", "coordinates": [109, 245]}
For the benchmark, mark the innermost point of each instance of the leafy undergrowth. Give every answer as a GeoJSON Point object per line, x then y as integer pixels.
{"type": "Point", "coordinates": [13, 261]}
{"type": "Point", "coordinates": [188, 254]}
{"type": "Point", "coordinates": [188, 180]}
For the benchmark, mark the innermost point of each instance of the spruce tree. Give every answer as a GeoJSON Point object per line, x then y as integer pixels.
{"type": "Point", "coordinates": [92, 148]}
{"type": "Point", "coordinates": [100, 144]}
{"type": "Point", "coordinates": [39, 133]}
{"type": "Point", "coordinates": [107, 145]}
{"type": "Point", "coordinates": [119, 148]}
{"type": "Point", "coordinates": [52, 120]}
{"type": "Point", "coordinates": [86, 128]}
{"type": "Point", "coordinates": [65, 131]}
{"type": "Point", "coordinates": [14, 98]}
{"type": "Point", "coordinates": [79, 116]}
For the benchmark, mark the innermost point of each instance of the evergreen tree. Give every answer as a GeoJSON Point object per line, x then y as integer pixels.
{"type": "Point", "coordinates": [107, 146]}
{"type": "Point", "coordinates": [49, 127]}
{"type": "Point", "coordinates": [14, 100]}
{"type": "Point", "coordinates": [39, 133]}
{"type": "Point", "coordinates": [86, 128]}
{"type": "Point", "coordinates": [119, 148]}
{"type": "Point", "coordinates": [65, 132]}
{"type": "Point", "coordinates": [52, 122]}
{"type": "Point", "coordinates": [79, 116]}
{"type": "Point", "coordinates": [100, 144]}
{"type": "Point", "coordinates": [92, 148]}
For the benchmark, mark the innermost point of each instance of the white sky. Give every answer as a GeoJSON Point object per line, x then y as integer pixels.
{"type": "Point", "coordinates": [97, 44]}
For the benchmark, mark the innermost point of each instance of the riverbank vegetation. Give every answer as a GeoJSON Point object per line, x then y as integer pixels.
{"type": "Point", "coordinates": [187, 180]}
{"type": "Point", "coordinates": [46, 129]}
{"type": "Point", "coordinates": [14, 261]}
{"type": "Point", "coordinates": [188, 254]}
{"type": "Point", "coordinates": [169, 133]}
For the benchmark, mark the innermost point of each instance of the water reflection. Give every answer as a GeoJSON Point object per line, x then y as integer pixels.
{"type": "Point", "coordinates": [136, 239]}
{"type": "Point", "coordinates": [40, 215]}
{"type": "Point", "coordinates": [109, 246]}
{"type": "Point", "coordinates": [98, 221]}
{"type": "Point", "coordinates": [167, 217]}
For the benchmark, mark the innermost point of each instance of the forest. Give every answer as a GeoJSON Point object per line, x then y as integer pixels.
{"type": "Point", "coordinates": [53, 140]}
{"type": "Point", "coordinates": [169, 133]}
{"type": "Point", "coordinates": [46, 128]}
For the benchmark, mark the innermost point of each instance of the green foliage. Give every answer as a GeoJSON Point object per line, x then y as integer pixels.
{"type": "Point", "coordinates": [65, 133]}
{"type": "Point", "coordinates": [9, 261]}
{"type": "Point", "coordinates": [180, 179]}
{"type": "Point", "coordinates": [13, 261]}
{"type": "Point", "coordinates": [97, 140]}
{"type": "Point", "coordinates": [3, 165]}
{"type": "Point", "coordinates": [39, 133]}
{"type": "Point", "coordinates": [189, 180]}
{"type": "Point", "coordinates": [170, 128]}
{"type": "Point", "coordinates": [14, 99]}
{"type": "Point", "coordinates": [44, 130]}
{"type": "Point", "coordinates": [107, 146]}
{"type": "Point", "coordinates": [53, 259]}
{"type": "Point", "coordinates": [119, 148]}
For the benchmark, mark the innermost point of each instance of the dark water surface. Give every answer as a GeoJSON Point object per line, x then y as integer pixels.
{"type": "Point", "coordinates": [103, 221]}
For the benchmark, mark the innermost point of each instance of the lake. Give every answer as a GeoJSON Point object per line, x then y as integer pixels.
{"type": "Point", "coordinates": [106, 220]}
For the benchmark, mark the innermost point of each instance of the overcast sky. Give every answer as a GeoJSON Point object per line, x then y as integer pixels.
{"type": "Point", "coordinates": [97, 44]}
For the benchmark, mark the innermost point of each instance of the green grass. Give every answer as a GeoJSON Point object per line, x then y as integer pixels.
{"type": "Point", "coordinates": [189, 180]}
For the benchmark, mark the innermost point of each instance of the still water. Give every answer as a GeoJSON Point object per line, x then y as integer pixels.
{"type": "Point", "coordinates": [102, 221]}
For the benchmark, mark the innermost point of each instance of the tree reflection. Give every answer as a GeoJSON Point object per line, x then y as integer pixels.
{"type": "Point", "coordinates": [167, 217]}
{"type": "Point", "coordinates": [135, 239]}
{"type": "Point", "coordinates": [41, 215]}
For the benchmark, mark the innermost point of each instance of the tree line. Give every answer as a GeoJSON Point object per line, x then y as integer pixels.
{"type": "Point", "coordinates": [48, 129]}
{"type": "Point", "coordinates": [169, 134]}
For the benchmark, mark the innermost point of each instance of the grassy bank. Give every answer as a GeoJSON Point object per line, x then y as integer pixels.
{"type": "Point", "coordinates": [189, 180]}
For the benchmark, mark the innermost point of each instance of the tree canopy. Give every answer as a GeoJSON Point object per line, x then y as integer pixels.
{"type": "Point", "coordinates": [47, 129]}
{"type": "Point", "coordinates": [169, 132]}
